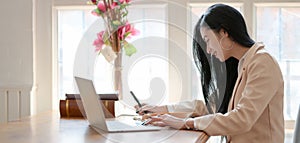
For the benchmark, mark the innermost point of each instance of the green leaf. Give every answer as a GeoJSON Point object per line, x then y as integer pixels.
{"type": "Point", "coordinates": [129, 49]}
{"type": "Point", "coordinates": [97, 11]}
{"type": "Point", "coordinates": [106, 38]}
{"type": "Point", "coordinates": [116, 23]}
{"type": "Point", "coordinates": [126, 34]}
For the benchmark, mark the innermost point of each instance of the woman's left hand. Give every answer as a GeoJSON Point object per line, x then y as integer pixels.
{"type": "Point", "coordinates": [167, 120]}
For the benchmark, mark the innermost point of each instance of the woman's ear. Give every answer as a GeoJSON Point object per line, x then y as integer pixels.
{"type": "Point", "coordinates": [223, 32]}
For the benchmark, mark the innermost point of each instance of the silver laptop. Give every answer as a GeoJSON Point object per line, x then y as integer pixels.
{"type": "Point", "coordinates": [95, 114]}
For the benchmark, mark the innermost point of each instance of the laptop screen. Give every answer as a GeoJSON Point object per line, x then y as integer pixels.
{"type": "Point", "coordinates": [91, 104]}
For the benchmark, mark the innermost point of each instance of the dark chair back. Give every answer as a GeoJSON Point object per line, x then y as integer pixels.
{"type": "Point", "coordinates": [297, 128]}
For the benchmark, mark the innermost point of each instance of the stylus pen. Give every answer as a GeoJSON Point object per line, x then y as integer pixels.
{"type": "Point", "coordinates": [138, 102]}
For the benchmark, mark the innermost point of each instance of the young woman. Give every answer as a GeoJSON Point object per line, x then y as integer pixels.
{"type": "Point", "coordinates": [255, 110]}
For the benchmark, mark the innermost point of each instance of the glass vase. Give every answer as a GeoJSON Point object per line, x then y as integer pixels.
{"type": "Point", "coordinates": [117, 74]}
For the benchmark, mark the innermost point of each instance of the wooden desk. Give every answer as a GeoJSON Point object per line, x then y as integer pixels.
{"type": "Point", "coordinates": [50, 128]}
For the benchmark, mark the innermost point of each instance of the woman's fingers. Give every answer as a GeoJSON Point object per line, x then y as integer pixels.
{"type": "Point", "coordinates": [158, 120]}
{"type": "Point", "coordinates": [202, 138]}
{"type": "Point", "coordinates": [149, 115]}
{"type": "Point", "coordinates": [145, 109]}
{"type": "Point", "coordinates": [159, 123]}
{"type": "Point", "coordinates": [151, 109]}
{"type": "Point", "coordinates": [153, 119]}
{"type": "Point", "coordinates": [137, 107]}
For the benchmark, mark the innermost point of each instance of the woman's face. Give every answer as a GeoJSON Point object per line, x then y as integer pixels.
{"type": "Point", "coordinates": [214, 42]}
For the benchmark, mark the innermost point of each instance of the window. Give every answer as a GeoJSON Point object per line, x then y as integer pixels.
{"type": "Point", "coordinates": [278, 27]}
{"type": "Point", "coordinates": [142, 72]}
{"type": "Point", "coordinates": [72, 23]}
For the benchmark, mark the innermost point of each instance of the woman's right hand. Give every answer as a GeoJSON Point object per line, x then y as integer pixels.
{"type": "Point", "coordinates": [151, 109]}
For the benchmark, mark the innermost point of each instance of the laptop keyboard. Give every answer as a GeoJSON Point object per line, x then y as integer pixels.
{"type": "Point", "coordinates": [118, 125]}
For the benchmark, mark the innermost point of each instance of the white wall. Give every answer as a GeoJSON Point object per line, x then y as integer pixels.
{"type": "Point", "coordinates": [16, 56]}
{"type": "Point", "coordinates": [16, 53]}
{"type": "Point", "coordinates": [43, 55]}
{"type": "Point", "coordinates": [26, 49]}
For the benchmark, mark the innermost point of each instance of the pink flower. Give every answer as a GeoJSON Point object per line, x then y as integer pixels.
{"type": "Point", "coordinates": [122, 1]}
{"type": "Point", "coordinates": [94, 1]}
{"type": "Point", "coordinates": [134, 31]}
{"type": "Point", "coordinates": [101, 6]}
{"type": "Point", "coordinates": [122, 31]}
{"type": "Point", "coordinates": [113, 5]}
{"type": "Point", "coordinates": [95, 13]}
{"type": "Point", "coordinates": [116, 12]}
{"type": "Point", "coordinates": [99, 41]}
{"type": "Point", "coordinates": [127, 30]}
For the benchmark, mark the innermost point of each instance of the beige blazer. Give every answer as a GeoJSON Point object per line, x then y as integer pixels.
{"type": "Point", "coordinates": [255, 112]}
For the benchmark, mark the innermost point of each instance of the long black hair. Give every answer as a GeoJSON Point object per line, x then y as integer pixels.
{"type": "Point", "coordinates": [218, 78]}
